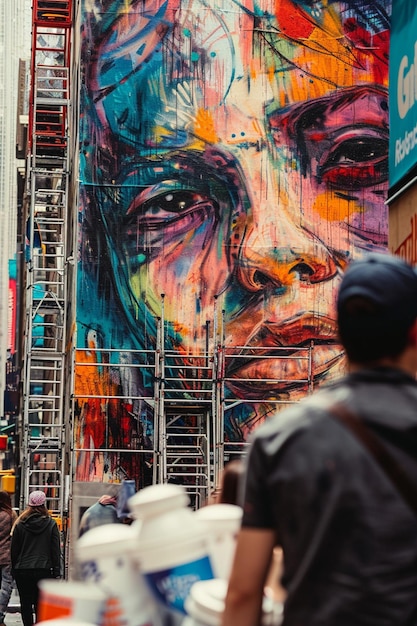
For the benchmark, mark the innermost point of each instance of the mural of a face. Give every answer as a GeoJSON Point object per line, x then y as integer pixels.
{"type": "Point", "coordinates": [232, 151]}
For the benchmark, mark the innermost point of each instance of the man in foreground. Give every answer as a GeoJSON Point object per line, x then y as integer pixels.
{"type": "Point", "coordinates": [348, 533]}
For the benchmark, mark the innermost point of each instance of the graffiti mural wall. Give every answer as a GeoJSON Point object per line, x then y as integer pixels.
{"type": "Point", "coordinates": [234, 158]}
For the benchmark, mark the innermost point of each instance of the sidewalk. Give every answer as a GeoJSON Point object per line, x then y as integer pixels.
{"type": "Point", "coordinates": [13, 617]}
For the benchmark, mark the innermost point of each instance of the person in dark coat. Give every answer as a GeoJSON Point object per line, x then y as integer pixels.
{"type": "Point", "coordinates": [7, 517]}
{"type": "Point", "coordinates": [35, 553]}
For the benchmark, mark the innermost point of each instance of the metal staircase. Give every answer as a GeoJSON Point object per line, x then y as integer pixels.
{"type": "Point", "coordinates": [44, 432]}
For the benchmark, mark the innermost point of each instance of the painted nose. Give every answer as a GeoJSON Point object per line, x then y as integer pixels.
{"type": "Point", "coordinates": [277, 251]}
{"type": "Point", "coordinates": [268, 267]}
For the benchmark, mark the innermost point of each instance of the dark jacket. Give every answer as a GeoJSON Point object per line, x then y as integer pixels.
{"type": "Point", "coordinates": [349, 538]}
{"type": "Point", "coordinates": [6, 522]}
{"type": "Point", "coordinates": [36, 544]}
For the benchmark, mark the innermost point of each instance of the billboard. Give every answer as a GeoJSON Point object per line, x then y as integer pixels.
{"type": "Point", "coordinates": [403, 90]}
{"type": "Point", "coordinates": [11, 341]}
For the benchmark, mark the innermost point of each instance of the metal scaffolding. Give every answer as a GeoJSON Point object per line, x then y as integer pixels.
{"type": "Point", "coordinates": [44, 433]}
{"type": "Point", "coordinates": [188, 396]}
{"type": "Point", "coordinates": [188, 402]}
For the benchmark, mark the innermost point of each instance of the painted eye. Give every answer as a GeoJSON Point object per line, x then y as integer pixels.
{"type": "Point", "coordinates": [303, 270]}
{"type": "Point", "coordinates": [356, 162]}
{"type": "Point", "coordinates": [156, 219]}
{"type": "Point", "coordinates": [160, 210]}
{"type": "Point", "coordinates": [171, 202]}
{"type": "Point", "coordinates": [163, 202]}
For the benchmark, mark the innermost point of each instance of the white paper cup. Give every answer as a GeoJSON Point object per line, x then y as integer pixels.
{"type": "Point", "coordinates": [171, 548]}
{"type": "Point", "coordinates": [105, 556]}
{"type": "Point", "coordinates": [223, 522]}
{"type": "Point", "coordinates": [70, 599]}
{"type": "Point", "coordinates": [205, 603]}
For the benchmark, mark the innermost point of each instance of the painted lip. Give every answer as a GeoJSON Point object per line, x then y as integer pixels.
{"type": "Point", "coordinates": [279, 359]}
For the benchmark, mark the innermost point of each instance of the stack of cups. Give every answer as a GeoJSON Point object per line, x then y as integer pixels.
{"type": "Point", "coordinates": [105, 556]}
{"type": "Point", "coordinates": [205, 605]}
{"type": "Point", "coordinates": [75, 600]}
{"type": "Point", "coordinates": [172, 547]}
{"type": "Point", "coordinates": [223, 523]}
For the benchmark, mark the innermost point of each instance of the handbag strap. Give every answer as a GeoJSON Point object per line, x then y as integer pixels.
{"type": "Point", "coordinates": [405, 486]}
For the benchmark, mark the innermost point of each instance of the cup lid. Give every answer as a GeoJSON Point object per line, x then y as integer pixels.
{"type": "Point", "coordinates": [205, 602]}
{"type": "Point", "coordinates": [105, 540]}
{"type": "Point", "coordinates": [71, 589]}
{"type": "Point", "coordinates": [64, 622]}
{"type": "Point", "coordinates": [220, 512]}
{"type": "Point", "coordinates": [157, 499]}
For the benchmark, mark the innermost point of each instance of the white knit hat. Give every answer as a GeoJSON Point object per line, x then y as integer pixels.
{"type": "Point", "coordinates": [37, 498]}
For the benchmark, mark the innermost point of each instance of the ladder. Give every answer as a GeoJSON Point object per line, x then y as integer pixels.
{"type": "Point", "coordinates": [44, 429]}
{"type": "Point", "coordinates": [185, 419]}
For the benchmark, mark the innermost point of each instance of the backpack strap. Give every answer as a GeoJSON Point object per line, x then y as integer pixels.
{"type": "Point", "coordinates": [395, 472]}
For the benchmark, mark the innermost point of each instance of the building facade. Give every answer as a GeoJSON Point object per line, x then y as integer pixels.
{"type": "Point", "coordinates": [15, 25]}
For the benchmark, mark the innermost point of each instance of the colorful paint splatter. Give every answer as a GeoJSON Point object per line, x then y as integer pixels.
{"type": "Point", "coordinates": [234, 159]}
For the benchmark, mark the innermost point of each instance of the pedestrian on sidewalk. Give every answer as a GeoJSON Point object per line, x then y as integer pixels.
{"type": "Point", "coordinates": [7, 518]}
{"type": "Point", "coordinates": [232, 477]}
{"type": "Point", "coordinates": [35, 553]}
{"type": "Point", "coordinates": [332, 480]}
{"type": "Point", "coordinates": [110, 508]}
{"type": "Point", "coordinates": [104, 511]}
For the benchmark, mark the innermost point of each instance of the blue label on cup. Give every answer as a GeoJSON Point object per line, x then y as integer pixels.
{"type": "Point", "coordinates": [90, 571]}
{"type": "Point", "coordinates": [172, 586]}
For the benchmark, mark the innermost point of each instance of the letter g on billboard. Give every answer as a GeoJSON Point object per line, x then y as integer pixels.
{"type": "Point", "coordinates": [407, 85]}
{"type": "Point", "coordinates": [403, 96]}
